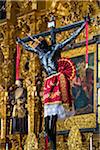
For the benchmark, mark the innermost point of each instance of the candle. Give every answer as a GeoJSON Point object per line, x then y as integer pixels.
{"type": "Point", "coordinates": [6, 146]}
{"type": "Point", "coordinates": [91, 143]}
{"type": "Point", "coordinates": [2, 129]}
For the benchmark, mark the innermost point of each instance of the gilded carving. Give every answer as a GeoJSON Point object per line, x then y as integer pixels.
{"type": "Point", "coordinates": [3, 101]}
{"type": "Point", "coordinates": [15, 141]}
{"type": "Point", "coordinates": [31, 22]}
{"type": "Point", "coordinates": [24, 65]}
{"type": "Point", "coordinates": [74, 139]}
{"type": "Point", "coordinates": [82, 121]}
{"type": "Point", "coordinates": [31, 142]}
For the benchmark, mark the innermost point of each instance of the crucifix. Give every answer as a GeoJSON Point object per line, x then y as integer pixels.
{"type": "Point", "coordinates": [57, 70]}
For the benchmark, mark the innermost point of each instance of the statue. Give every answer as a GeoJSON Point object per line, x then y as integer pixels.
{"type": "Point", "coordinates": [56, 70]}
{"type": "Point", "coordinates": [19, 112]}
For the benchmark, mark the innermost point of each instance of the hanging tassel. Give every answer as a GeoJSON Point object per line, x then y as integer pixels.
{"type": "Point", "coordinates": [46, 142]}
{"type": "Point", "coordinates": [17, 62]}
{"type": "Point", "coordinates": [86, 27]}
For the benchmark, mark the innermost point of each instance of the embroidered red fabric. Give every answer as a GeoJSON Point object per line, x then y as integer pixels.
{"type": "Point", "coordinates": [67, 67]}
{"type": "Point", "coordinates": [57, 86]}
{"type": "Point", "coordinates": [52, 92]}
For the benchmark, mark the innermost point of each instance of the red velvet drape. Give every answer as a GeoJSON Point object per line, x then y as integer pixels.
{"type": "Point", "coordinates": [17, 61]}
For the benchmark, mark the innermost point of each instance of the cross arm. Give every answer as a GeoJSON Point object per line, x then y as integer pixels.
{"type": "Point", "coordinates": [56, 30]}
{"type": "Point", "coordinates": [75, 34]}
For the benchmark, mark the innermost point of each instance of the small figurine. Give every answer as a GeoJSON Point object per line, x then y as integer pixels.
{"type": "Point", "coordinates": [19, 114]}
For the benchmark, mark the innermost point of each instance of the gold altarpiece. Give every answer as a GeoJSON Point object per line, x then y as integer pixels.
{"type": "Point", "coordinates": [29, 17]}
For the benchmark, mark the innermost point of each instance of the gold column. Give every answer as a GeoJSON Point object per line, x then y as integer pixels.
{"type": "Point", "coordinates": [31, 96]}
{"type": "Point", "coordinates": [4, 98]}
{"type": "Point", "coordinates": [7, 67]}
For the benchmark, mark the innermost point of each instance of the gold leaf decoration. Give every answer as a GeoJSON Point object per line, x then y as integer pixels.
{"type": "Point", "coordinates": [74, 139]}
{"type": "Point", "coordinates": [81, 121]}
{"type": "Point", "coordinates": [31, 142]}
